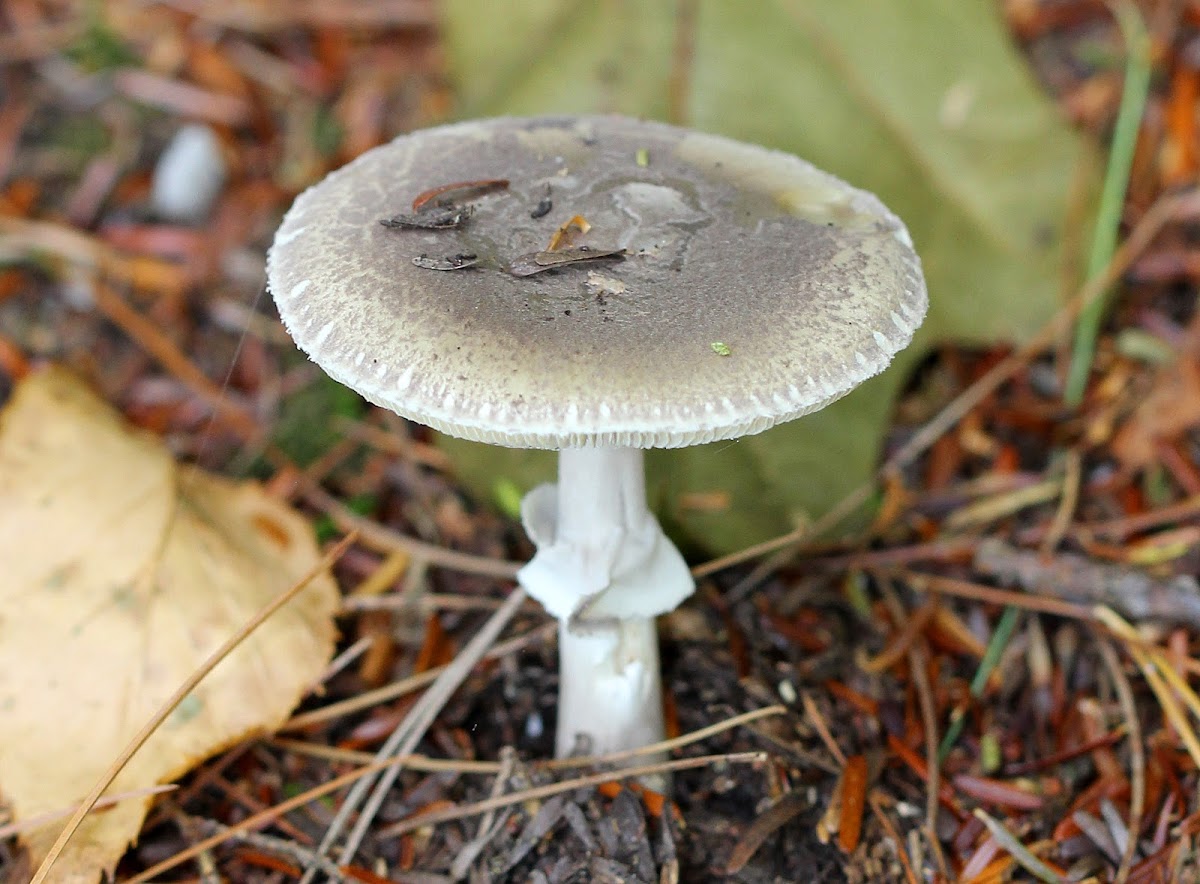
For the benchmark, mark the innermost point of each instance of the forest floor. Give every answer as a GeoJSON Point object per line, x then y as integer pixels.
{"type": "Point", "coordinates": [987, 683]}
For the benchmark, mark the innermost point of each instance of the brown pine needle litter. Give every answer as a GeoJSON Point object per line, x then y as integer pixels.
{"type": "Point", "coordinates": [980, 665]}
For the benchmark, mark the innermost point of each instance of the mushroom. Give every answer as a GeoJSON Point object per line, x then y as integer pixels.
{"type": "Point", "coordinates": [710, 289]}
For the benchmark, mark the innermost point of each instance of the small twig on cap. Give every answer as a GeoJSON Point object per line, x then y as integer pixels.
{"type": "Point", "coordinates": [459, 261]}
{"type": "Point", "coordinates": [457, 193]}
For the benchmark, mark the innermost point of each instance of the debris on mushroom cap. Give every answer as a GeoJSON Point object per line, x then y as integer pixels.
{"type": "Point", "coordinates": [813, 283]}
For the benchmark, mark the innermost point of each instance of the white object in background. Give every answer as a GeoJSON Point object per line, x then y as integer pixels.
{"type": "Point", "coordinates": [189, 175]}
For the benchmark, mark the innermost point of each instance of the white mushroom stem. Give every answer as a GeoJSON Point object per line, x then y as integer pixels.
{"type": "Point", "coordinates": [604, 569]}
{"type": "Point", "coordinates": [610, 690]}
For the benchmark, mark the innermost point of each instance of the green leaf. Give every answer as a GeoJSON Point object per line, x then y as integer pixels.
{"type": "Point", "coordinates": [924, 102]}
{"type": "Point", "coordinates": [99, 47]}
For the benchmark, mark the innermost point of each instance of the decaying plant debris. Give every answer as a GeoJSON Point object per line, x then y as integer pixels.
{"type": "Point", "coordinates": [941, 696]}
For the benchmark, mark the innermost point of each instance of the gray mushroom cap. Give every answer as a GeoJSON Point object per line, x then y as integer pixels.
{"type": "Point", "coordinates": [807, 285]}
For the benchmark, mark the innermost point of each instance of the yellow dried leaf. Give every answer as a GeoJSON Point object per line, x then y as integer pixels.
{"type": "Point", "coordinates": [121, 573]}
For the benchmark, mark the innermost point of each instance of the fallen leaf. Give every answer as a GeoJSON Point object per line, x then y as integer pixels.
{"type": "Point", "coordinates": [122, 573]}
{"type": "Point", "coordinates": [926, 103]}
{"type": "Point", "coordinates": [1171, 408]}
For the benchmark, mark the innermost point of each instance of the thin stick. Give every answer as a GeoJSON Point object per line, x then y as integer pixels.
{"type": "Point", "coordinates": [817, 720]}
{"type": "Point", "coordinates": [1137, 757]}
{"type": "Point", "coordinates": [1067, 503]}
{"type": "Point", "coordinates": [1120, 529]}
{"type": "Point", "coordinates": [386, 540]}
{"type": "Point", "coordinates": [918, 663]}
{"type": "Point", "coordinates": [42, 819]}
{"type": "Point", "coordinates": [175, 699]}
{"type": "Point", "coordinates": [682, 58]}
{"type": "Point", "coordinates": [910, 874]}
{"type": "Point", "coordinates": [420, 763]}
{"type": "Point", "coordinates": [919, 582]}
{"type": "Point", "coordinates": [409, 684]}
{"type": "Point", "coordinates": [271, 844]}
{"type": "Point", "coordinates": [151, 338]}
{"type": "Point", "coordinates": [539, 792]}
{"type": "Point", "coordinates": [665, 745]}
{"type": "Point", "coordinates": [263, 818]}
{"type": "Point", "coordinates": [467, 855]}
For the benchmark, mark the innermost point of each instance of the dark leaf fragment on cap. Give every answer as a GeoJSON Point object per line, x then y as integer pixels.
{"type": "Point", "coordinates": [460, 261]}
{"type": "Point", "coordinates": [436, 218]}
{"type": "Point", "coordinates": [537, 262]}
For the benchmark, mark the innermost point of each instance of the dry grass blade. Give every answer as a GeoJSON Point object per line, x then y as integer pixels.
{"type": "Point", "coordinates": [667, 745]}
{"type": "Point", "coordinates": [408, 685]}
{"type": "Point", "coordinates": [184, 689]}
{"type": "Point", "coordinates": [1066, 503]}
{"type": "Point", "coordinates": [422, 763]}
{"type": "Point", "coordinates": [1157, 670]}
{"type": "Point", "coordinates": [910, 631]}
{"type": "Point", "coordinates": [918, 655]}
{"type": "Point", "coordinates": [1018, 851]}
{"type": "Point", "coordinates": [539, 792]}
{"type": "Point", "coordinates": [817, 720]}
{"type": "Point", "coordinates": [1137, 756]}
{"type": "Point", "coordinates": [877, 808]}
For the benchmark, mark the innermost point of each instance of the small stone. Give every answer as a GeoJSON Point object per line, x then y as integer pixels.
{"type": "Point", "coordinates": [189, 175]}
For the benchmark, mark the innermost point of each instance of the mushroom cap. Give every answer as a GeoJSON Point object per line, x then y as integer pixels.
{"type": "Point", "coordinates": [753, 287]}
